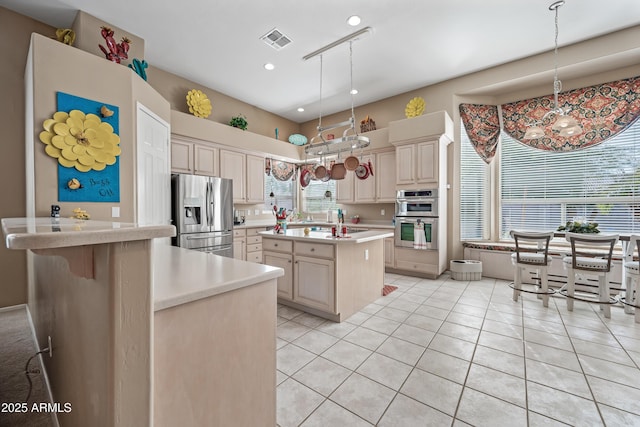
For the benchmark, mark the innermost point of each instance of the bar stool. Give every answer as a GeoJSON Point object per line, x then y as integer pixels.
{"type": "Point", "coordinates": [585, 261]}
{"type": "Point", "coordinates": [632, 272]}
{"type": "Point", "coordinates": [532, 257]}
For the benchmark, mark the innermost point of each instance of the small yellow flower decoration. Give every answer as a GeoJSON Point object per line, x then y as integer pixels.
{"type": "Point", "coordinates": [80, 140]}
{"type": "Point", "coordinates": [415, 107]}
{"type": "Point", "coordinates": [199, 104]}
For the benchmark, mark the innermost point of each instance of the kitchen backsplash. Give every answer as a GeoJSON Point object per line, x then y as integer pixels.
{"type": "Point", "coordinates": [366, 212]}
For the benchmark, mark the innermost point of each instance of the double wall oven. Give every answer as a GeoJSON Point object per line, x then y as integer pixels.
{"type": "Point", "coordinates": [413, 206]}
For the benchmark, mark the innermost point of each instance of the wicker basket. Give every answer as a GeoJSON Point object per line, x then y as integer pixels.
{"type": "Point", "coordinates": [367, 125]}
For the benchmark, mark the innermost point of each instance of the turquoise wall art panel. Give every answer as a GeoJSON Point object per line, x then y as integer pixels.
{"type": "Point", "coordinates": [95, 186]}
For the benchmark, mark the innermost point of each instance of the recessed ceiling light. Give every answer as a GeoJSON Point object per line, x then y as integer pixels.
{"type": "Point", "coordinates": [300, 110]}
{"type": "Point", "coordinates": [269, 66]}
{"type": "Point", "coordinates": [353, 20]}
{"type": "Point", "coordinates": [353, 91]}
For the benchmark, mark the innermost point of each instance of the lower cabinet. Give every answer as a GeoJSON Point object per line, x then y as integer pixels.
{"type": "Point", "coordinates": [313, 283]}
{"type": "Point", "coordinates": [389, 252]}
{"type": "Point", "coordinates": [284, 261]}
{"type": "Point", "coordinates": [239, 244]}
{"type": "Point", "coordinates": [309, 272]}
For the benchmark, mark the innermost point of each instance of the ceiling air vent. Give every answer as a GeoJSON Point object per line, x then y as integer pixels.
{"type": "Point", "coordinates": [276, 39]}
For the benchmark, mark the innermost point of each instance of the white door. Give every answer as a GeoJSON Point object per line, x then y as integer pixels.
{"type": "Point", "coordinates": [153, 195]}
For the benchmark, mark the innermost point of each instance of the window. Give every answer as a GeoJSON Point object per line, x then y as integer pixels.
{"type": "Point", "coordinates": [474, 192]}
{"type": "Point", "coordinates": [314, 198]}
{"type": "Point", "coordinates": [284, 193]}
{"type": "Point", "coordinates": [542, 190]}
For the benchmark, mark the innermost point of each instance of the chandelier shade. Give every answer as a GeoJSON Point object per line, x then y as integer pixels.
{"type": "Point", "coordinates": [565, 125]}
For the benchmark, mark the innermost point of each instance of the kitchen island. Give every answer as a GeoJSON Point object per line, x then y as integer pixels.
{"type": "Point", "coordinates": [134, 326]}
{"type": "Point", "coordinates": [332, 277]}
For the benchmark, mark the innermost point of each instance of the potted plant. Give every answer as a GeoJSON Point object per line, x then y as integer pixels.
{"type": "Point", "coordinates": [239, 122]}
{"type": "Point", "coordinates": [579, 225]}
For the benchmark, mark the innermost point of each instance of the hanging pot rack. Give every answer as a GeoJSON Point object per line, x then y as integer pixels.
{"type": "Point", "coordinates": [350, 140]}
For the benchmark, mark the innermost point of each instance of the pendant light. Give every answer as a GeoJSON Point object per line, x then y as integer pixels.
{"type": "Point", "coordinates": [565, 125]}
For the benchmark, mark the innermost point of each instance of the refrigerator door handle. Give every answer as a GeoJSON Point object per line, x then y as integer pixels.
{"type": "Point", "coordinates": [207, 237]}
{"type": "Point", "coordinates": [210, 204]}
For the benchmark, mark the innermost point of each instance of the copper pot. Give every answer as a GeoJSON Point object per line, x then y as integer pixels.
{"type": "Point", "coordinates": [320, 171]}
{"type": "Point", "coordinates": [338, 171]}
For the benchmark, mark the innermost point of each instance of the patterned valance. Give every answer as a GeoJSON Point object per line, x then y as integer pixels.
{"type": "Point", "coordinates": [483, 128]}
{"type": "Point", "coordinates": [602, 110]}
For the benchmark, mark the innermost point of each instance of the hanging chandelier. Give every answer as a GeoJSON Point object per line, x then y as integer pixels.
{"type": "Point", "coordinates": [350, 140]}
{"type": "Point", "coordinates": [565, 125]}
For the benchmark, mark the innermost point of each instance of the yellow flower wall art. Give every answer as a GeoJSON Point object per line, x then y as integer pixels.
{"type": "Point", "coordinates": [415, 107]}
{"type": "Point", "coordinates": [81, 141]}
{"type": "Point", "coordinates": [199, 104]}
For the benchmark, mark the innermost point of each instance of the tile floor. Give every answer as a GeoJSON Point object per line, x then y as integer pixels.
{"type": "Point", "coordinates": [451, 353]}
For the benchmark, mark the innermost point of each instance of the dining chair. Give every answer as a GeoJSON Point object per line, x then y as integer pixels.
{"type": "Point", "coordinates": [590, 256]}
{"type": "Point", "coordinates": [632, 274]}
{"type": "Point", "coordinates": [532, 255]}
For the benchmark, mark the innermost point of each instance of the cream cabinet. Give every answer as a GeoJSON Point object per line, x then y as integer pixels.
{"type": "Point", "coordinates": [417, 163]}
{"type": "Point", "coordinates": [313, 282]}
{"type": "Point", "coordinates": [233, 166]}
{"type": "Point", "coordinates": [385, 171]}
{"type": "Point", "coordinates": [285, 262]}
{"type": "Point", "coordinates": [254, 245]}
{"type": "Point", "coordinates": [389, 252]}
{"type": "Point", "coordinates": [380, 187]}
{"type": "Point", "coordinates": [344, 189]}
{"type": "Point", "coordinates": [309, 272]}
{"type": "Point", "coordinates": [182, 156]}
{"type": "Point", "coordinates": [239, 244]}
{"type": "Point", "coordinates": [191, 157]}
{"type": "Point", "coordinates": [205, 160]}
{"type": "Point", "coordinates": [247, 173]}
{"type": "Point", "coordinates": [365, 189]}
{"type": "Point", "coordinates": [255, 179]}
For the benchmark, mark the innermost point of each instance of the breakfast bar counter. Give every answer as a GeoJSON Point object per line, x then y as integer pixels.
{"type": "Point", "coordinates": [136, 315]}
{"type": "Point", "coordinates": [332, 277]}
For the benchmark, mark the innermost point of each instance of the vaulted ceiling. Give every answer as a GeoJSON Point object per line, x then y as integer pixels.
{"type": "Point", "coordinates": [412, 43]}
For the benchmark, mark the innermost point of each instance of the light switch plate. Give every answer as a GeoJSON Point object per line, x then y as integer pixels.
{"type": "Point", "coordinates": [115, 212]}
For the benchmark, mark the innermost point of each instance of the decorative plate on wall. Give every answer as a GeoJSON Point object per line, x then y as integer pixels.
{"type": "Point", "coordinates": [297, 139]}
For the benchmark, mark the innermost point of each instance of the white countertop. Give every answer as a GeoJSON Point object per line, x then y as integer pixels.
{"type": "Point", "coordinates": [182, 275]}
{"type": "Point", "coordinates": [324, 237]}
{"type": "Point", "coordinates": [47, 233]}
{"type": "Point", "coordinates": [271, 222]}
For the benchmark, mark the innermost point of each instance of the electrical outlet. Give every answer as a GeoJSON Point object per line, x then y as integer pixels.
{"type": "Point", "coordinates": [366, 254]}
{"type": "Point", "coordinates": [50, 346]}
{"type": "Point", "coordinates": [256, 212]}
{"type": "Point", "coordinates": [382, 212]}
{"type": "Point", "coordinates": [115, 212]}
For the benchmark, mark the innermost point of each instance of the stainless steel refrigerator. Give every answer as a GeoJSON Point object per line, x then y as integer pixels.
{"type": "Point", "coordinates": [202, 211]}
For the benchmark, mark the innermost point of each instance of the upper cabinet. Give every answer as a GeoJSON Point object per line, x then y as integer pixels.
{"type": "Point", "coordinates": [417, 163]}
{"type": "Point", "coordinates": [421, 149]}
{"type": "Point", "coordinates": [191, 157]}
{"type": "Point", "coordinates": [247, 173]}
{"type": "Point", "coordinates": [384, 174]}
{"type": "Point", "coordinates": [379, 187]}
{"type": "Point", "coordinates": [255, 179]}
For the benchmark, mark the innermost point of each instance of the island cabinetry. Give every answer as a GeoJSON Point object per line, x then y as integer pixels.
{"type": "Point", "coordinates": [314, 276]}
{"type": "Point", "coordinates": [192, 157]}
{"type": "Point", "coordinates": [389, 252]}
{"type": "Point", "coordinates": [309, 277]}
{"type": "Point", "coordinates": [331, 278]}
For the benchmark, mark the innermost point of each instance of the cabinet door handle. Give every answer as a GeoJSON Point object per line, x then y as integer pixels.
{"type": "Point", "coordinates": [296, 262]}
{"type": "Point", "coordinates": [275, 245]}
{"type": "Point", "coordinates": [313, 249]}
{"type": "Point", "coordinates": [289, 261]}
